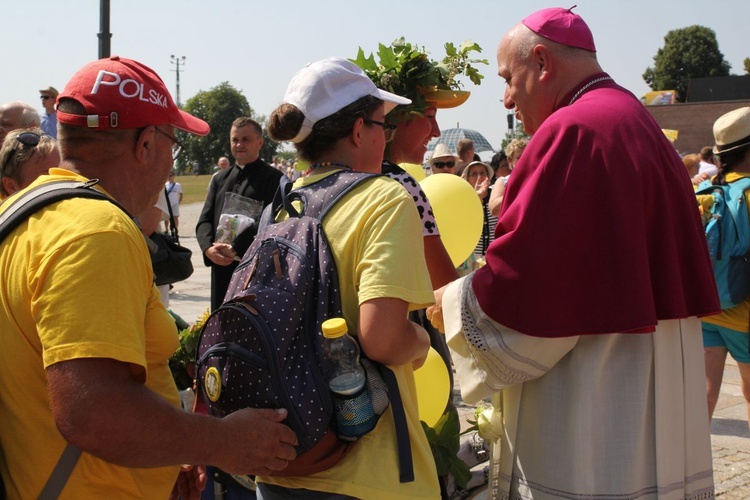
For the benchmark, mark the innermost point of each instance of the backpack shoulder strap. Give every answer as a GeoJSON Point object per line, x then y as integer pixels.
{"type": "Point", "coordinates": [405, 460]}
{"type": "Point", "coordinates": [705, 187]}
{"type": "Point", "coordinates": [39, 197]}
{"type": "Point", "coordinates": [737, 209]}
{"type": "Point", "coordinates": [318, 198]}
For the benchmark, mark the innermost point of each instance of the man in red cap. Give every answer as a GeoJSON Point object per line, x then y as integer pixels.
{"type": "Point", "coordinates": [586, 314]}
{"type": "Point", "coordinates": [87, 389]}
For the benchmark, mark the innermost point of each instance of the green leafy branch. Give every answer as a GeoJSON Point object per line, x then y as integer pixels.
{"type": "Point", "coordinates": [444, 443]}
{"type": "Point", "coordinates": [457, 62]}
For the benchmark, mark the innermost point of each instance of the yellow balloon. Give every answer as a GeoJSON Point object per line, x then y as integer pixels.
{"type": "Point", "coordinates": [458, 213]}
{"type": "Point", "coordinates": [433, 388]}
{"type": "Point", "coordinates": [414, 170]}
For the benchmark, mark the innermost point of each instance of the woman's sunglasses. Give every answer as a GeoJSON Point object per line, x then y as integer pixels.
{"type": "Point", "coordinates": [444, 164]}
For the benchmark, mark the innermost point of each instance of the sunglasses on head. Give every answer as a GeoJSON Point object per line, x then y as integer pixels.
{"type": "Point", "coordinates": [444, 164]}
{"type": "Point", "coordinates": [29, 139]}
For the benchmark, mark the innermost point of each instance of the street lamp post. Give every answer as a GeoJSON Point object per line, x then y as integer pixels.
{"type": "Point", "coordinates": [176, 61]}
{"type": "Point", "coordinates": [104, 35]}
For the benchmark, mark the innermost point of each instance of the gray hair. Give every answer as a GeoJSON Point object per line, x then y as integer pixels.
{"type": "Point", "coordinates": [527, 40]}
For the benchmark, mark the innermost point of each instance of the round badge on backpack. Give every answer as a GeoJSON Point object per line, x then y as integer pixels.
{"type": "Point", "coordinates": [212, 384]}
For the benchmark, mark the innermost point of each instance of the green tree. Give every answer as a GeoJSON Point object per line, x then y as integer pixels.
{"type": "Point", "coordinates": [691, 52]}
{"type": "Point", "coordinates": [219, 107]}
{"type": "Point", "coordinates": [746, 63]}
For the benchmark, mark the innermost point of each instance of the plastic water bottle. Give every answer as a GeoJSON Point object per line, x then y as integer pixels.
{"type": "Point", "coordinates": [347, 381]}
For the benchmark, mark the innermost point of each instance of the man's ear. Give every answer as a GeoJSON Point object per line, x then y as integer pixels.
{"type": "Point", "coordinates": [144, 144]}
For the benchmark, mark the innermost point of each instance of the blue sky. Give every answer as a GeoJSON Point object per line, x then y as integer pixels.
{"type": "Point", "coordinates": [257, 46]}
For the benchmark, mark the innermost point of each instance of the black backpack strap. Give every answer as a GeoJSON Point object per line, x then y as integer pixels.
{"type": "Point", "coordinates": [60, 473]}
{"type": "Point", "coordinates": [39, 197]}
{"type": "Point", "coordinates": [405, 461]}
{"type": "Point", "coordinates": [270, 211]}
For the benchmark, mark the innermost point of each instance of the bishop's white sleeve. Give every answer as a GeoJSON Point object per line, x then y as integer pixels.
{"type": "Point", "coordinates": [488, 356]}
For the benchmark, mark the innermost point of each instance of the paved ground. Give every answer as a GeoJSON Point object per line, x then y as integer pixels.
{"type": "Point", "coordinates": [730, 436]}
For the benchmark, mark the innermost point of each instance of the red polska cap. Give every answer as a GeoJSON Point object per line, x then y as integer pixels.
{"type": "Point", "coordinates": [561, 26]}
{"type": "Point", "coordinates": [120, 93]}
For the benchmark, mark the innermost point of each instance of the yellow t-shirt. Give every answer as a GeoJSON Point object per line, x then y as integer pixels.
{"type": "Point", "coordinates": [376, 239]}
{"type": "Point", "coordinates": [76, 283]}
{"type": "Point", "coordinates": [738, 317]}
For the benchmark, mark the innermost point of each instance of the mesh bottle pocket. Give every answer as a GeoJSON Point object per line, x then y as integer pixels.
{"type": "Point", "coordinates": [354, 415]}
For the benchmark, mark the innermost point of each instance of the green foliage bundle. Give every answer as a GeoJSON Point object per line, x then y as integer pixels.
{"type": "Point", "coordinates": [182, 362]}
{"type": "Point", "coordinates": [406, 70]}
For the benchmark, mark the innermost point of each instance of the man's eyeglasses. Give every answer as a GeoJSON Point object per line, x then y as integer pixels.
{"type": "Point", "coordinates": [444, 164]}
{"type": "Point", "coordinates": [45, 97]}
{"type": "Point", "coordinates": [177, 147]}
{"type": "Point", "coordinates": [29, 139]}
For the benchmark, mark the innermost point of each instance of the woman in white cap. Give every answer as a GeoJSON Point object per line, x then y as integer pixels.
{"type": "Point", "coordinates": [336, 118]}
{"type": "Point", "coordinates": [727, 332]}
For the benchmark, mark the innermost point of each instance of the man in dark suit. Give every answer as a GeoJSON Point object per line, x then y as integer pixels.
{"type": "Point", "coordinates": [251, 178]}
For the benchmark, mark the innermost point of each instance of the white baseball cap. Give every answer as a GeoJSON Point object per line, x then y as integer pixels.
{"type": "Point", "coordinates": [324, 87]}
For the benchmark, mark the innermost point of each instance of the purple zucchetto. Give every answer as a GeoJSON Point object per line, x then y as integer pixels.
{"type": "Point", "coordinates": [561, 26]}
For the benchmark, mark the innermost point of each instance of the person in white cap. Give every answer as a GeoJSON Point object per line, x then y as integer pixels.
{"type": "Point", "coordinates": [583, 326]}
{"type": "Point", "coordinates": [335, 116]}
{"type": "Point", "coordinates": [86, 341]}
